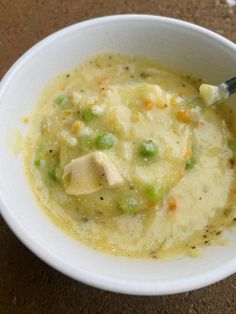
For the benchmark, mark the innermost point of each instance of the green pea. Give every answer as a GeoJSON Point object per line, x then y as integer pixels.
{"type": "Point", "coordinates": [87, 115]}
{"type": "Point", "coordinates": [129, 206]}
{"type": "Point", "coordinates": [148, 150]}
{"type": "Point", "coordinates": [37, 163]}
{"type": "Point", "coordinates": [232, 145]}
{"type": "Point", "coordinates": [52, 175]}
{"type": "Point", "coordinates": [190, 163]}
{"type": "Point", "coordinates": [62, 101]}
{"type": "Point", "coordinates": [105, 141]}
{"type": "Point", "coordinates": [154, 192]}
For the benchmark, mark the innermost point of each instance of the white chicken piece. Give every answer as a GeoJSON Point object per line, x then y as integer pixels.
{"type": "Point", "coordinates": [90, 173]}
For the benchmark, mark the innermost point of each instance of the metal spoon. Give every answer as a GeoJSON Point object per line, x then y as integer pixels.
{"type": "Point", "coordinates": [214, 94]}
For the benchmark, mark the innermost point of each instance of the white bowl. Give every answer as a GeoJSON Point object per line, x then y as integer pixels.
{"type": "Point", "coordinates": [176, 43]}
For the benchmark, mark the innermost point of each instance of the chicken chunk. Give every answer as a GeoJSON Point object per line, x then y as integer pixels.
{"type": "Point", "coordinates": [107, 169]}
{"type": "Point", "coordinates": [90, 173]}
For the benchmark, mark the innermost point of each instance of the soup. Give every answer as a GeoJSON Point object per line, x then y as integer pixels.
{"type": "Point", "coordinates": [123, 156]}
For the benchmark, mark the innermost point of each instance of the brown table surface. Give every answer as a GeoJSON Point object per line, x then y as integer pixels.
{"type": "Point", "coordinates": [27, 285]}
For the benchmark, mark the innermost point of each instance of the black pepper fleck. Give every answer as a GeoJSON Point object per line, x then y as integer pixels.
{"type": "Point", "coordinates": [84, 219]}
{"type": "Point", "coordinates": [101, 198]}
{"type": "Point", "coordinates": [50, 151]}
{"type": "Point", "coordinates": [67, 75]}
{"type": "Point", "coordinates": [193, 247]}
{"type": "Point", "coordinates": [231, 163]}
{"type": "Point", "coordinates": [131, 187]}
{"type": "Point", "coordinates": [144, 75]}
{"type": "Point", "coordinates": [218, 232]}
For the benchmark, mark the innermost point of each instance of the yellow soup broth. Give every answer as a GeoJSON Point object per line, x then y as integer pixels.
{"type": "Point", "coordinates": [123, 156]}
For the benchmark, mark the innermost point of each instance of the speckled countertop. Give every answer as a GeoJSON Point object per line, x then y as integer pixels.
{"type": "Point", "coordinates": [27, 285]}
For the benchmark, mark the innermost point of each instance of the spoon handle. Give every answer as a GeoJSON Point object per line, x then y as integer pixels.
{"type": "Point", "coordinates": [231, 85]}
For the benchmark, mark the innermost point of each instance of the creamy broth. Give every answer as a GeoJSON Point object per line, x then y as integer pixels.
{"type": "Point", "coordinates": [122, 155]}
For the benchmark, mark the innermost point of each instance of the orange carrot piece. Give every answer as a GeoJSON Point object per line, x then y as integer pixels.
{"type": "Point", "coordinates": [113, 120]}
{"type": "Point", "coordinates": [172, 206]}
{"type": "Point", "coordinates": [233, 190]}
{"type": "Point", "coordinates": [148, 105]}
{"type": "Point", "coordinates": [173, 100]}
{"type": "Point", "coordinates": [183, 116]}
{"type": "Point", "coordinates": [188, 154]}
{"type": "Point", "coordinates": [151, 205]}
{"type": "Point", "coordinates": [102, 80]}
{"type": "Point", "coordinates": [63, 87]}
{"type": "Point", "coordinates": [76, 126]}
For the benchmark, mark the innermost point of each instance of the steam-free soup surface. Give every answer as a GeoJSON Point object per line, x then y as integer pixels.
{"type": "Point", "coordinates": [122, 156]}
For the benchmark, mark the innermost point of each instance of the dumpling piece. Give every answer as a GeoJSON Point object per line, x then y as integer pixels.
{"type": "Point", "coordinates": [212, 94]}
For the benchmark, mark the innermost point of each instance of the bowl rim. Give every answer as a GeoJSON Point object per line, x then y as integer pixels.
{"type": "Point", "coordinates": [94, 279]}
